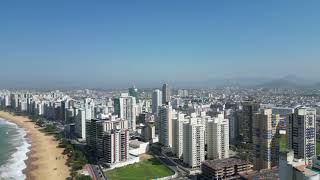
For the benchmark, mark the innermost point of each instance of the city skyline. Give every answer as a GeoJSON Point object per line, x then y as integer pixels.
{"type": "Point", "coordinates": [184, 90]}
{"type": "Point", "coordinates": [114, 44]}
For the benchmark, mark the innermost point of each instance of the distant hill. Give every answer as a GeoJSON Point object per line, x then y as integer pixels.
{"type": "Point", "coordinates": [280, 83]}
{"type": "Point", "coordinates": [317, 85]}
{"type": "Point", "coordinates": [291, 82]}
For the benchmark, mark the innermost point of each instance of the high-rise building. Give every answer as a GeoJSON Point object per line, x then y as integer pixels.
{"type": "Point", "coordinates": [23, 105]}
{"type": "Point", "coordinates": [80, 123]}
{"type": "Point", "coordinates": [283, 112]}
{"type": "Point", "coordinates": [94, 135]}
{"type": "Point", "coordinates": [296, 169]}
{"type": "Point", "coordinates": [133, 91]}
{"type": "Point", "coordinates": [265, 139]}
{"type": "Point", "coordinates": [14, 99]}
{"type": "Point", "coordinates": [165, 125]}
{"type": "Point", "coordinates": [177, 133]}
{"type": "Point", "coordinates": [145, 118]}
{"type": "Point", "coordinates": [125, 108]}
{"type": "Point", "coordinates": [301, 133]}
{"type": "Point", "coordinates": [193, 143]}
{"type": "Point", "coordinates": [89, 108]}
{"type": "Point", "coordinates": [230, 114]}
{"type": "Point", "coordinates": [182, 93]}
{"type": "Point", "coordinates": [165, 94]}
{"type": "Point", "coordinates": [63, 109]}
{"type": "Point", "coordinates": [148, 132]}
{"type": "Point", "coordinates": [7, 101]}
{"type": "Point", "coordinates": [108, 142]}
{"type": "Point", "coordinates": [218, 137]}
{"type": "Point", "coordinates": [245, 120]}
{"type": "Point", "coordinates": [156, 101]}
{"type": "Point", "coordinates": [115, 146]}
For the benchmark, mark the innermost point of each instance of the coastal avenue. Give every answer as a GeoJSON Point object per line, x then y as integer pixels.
{"type": "Point", "coordinates": [177, 168]}
{"type": "Point", "coordinates": [95, 172]}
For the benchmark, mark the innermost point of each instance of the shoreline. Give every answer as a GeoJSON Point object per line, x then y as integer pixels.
{"type": "Point", "coordinates": [44, 157]}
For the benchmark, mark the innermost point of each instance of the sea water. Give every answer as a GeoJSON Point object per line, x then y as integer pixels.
{"type": "Point", "coordinates": [13, 149]}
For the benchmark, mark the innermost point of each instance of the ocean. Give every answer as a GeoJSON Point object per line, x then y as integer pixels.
{"type": "Point", "coordinates": [13, 149]}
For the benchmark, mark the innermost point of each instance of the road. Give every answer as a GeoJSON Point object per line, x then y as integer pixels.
{"type": "Point", "coordinates": [96, 172]}
{"type": "Point", "coordinates": [169, 162]}
{"type": "Point", "coordinates": [93, 168]}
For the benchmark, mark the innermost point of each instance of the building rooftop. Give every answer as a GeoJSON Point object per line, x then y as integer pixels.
{"type": "Point", "coordinates": [222, 163]}
{"type": "Point", "coordinates": [136, 143]}
{"type": "Point", "coordinates": [262, 174]}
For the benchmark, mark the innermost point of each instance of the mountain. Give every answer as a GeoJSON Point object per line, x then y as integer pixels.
{"type": "Point", "coordinates": [220, 82]}
{"type": "Point", "coordinates": [280, 83]}
{"type": "Point", "coordinates": [289, 82]}
{"type": "Point", "coordinates": [316, 85]}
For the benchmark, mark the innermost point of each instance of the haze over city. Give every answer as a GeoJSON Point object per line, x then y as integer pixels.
{"type": "Point", "coordinates": [110, 44]}
{"type": "Point", "coordinates": [159, 90]}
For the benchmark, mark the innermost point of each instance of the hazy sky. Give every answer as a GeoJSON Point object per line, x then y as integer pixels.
{"type": "Point", "coordinates": [118, 42]}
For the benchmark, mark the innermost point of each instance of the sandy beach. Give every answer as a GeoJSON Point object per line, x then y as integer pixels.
{"type": "Point", "coordinates": [45, 160]}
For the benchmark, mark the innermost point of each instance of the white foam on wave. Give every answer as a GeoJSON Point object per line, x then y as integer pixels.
{"type": "Point", "coordinates": [13, 169]}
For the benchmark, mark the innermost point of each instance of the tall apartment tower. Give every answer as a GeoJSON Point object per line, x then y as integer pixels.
{"type": "Point", "coordinates": [125, 108]}
{"type": "Point", "coordinates": [63, 110]}
{"type": "Point", "coordinates": [245, 120]}
{"type": "Point", "coordinates": [156, 101]}
{"type": "Point", "coordinates": [108, 143]}
{"type": "Point", "coordinates": [193, 143]}
{"type": "Point", "coordinates": [89, 108]}
{"type": "Point", "coordinates": [265, 139]}
{"type": "Point", "coordinates": [230, 114]}
{"type": "Point", "coordinates": [165, 94]}
{"type": "Point", "coordinates": [218, 137]}
{"type": "Point", "coordinates": [165, 125]}
{"type": "Point", "coordinates": [177, 133]}
{"type": "Point", "coordinates": [7, 101]}
{"type": "Point", "coordinates": [115, 146]}
{"type": "Point", "coordinates": [301, 133]}
{"type": "Point", "coordinates": [94, 135]}
{"type": "Point", "coordinates": [80, 123]}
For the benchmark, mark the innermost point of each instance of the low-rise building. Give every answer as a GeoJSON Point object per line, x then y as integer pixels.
{"type": "Point", "coordinates": [296, 169]}
{"type": "Point", "coordinates": [272, 174]}
{"type": "Point", "coordinates": [224, 168]}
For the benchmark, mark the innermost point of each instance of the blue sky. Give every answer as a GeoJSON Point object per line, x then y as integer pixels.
{"type": "Point", "coordinates": [125, 42]}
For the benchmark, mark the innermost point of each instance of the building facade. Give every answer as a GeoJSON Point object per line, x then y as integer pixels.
{"type": "Point", "coordinates": [224, 168]}
{"type": "Point", "coordinates": [301, 133]}
{"type": "Point", "coordinates": [80, 123]}
{"type": "Point", "coordinates": [165, 94]}
{"type": "Point", "coordinates": [265, 139]}
{"type": "Point", "coordinates": [156, 101]}
{"type": "Point", "coordinates": [295, 169]}
{"type": "Point", "coordinates": [193, 143]}
{"type": "Point", "coordinates": [218, 137]}
{"type": "Point", "coordinates": [115, 144]}
{"type": "Point", "coordinates": [125, 108]}
{"type": "Point", "coordinates": [245, 116]}
{"type": "Point", "coordinates": [177, 144]}
{"type": "Point", "coordinates": [165, 125]}
{"type": "Point", "coordinates": [108, 142]}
